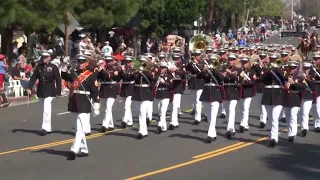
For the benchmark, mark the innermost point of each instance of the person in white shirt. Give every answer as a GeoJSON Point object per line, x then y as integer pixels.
{"type": "Point", "coordinates": [82, 44]}
{"type": "Point", "coordinates": [107, 50]}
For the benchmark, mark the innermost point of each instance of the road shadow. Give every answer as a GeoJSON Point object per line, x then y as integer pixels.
{"type": "Point", "coordinates": [298, 160]}
{"type": "Point", "coordinates": [186, 136]}
{"type": "Point", "coordinates": [53, 152]}
{"type": "Point", "coordinates": [29, 131]}
{"type": "Point", "coordinates": [64, 132]}
{"type": "Point", "coordinates": [134, 136]}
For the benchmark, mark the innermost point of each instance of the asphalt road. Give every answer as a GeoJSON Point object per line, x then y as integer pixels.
{"type": "Point", "coordinates": [179, 154]}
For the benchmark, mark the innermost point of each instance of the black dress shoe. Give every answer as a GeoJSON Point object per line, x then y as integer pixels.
{"type": "Point", "coordinates": [222, 116]}
{"type": "Point", "coordinates": [195, 122]}
{"type": "Point", "coordinates": [272, 143]}
{"type": "Point", "coordinates": [159, 130]}
{"type": "Point", "coordinates": [71, 156]}
{"type": "Point", "coordinates": [44, 132]}
{"type": "Point", "coordinates": [180, 114]}
{"type": "Point", "coordinates": [103, 129]}
{"type": "Point", "coordinates": [304, 133]}
{"type": "Point", "coordinates": [129, 125]}
{"type": "Point", "coordinates": [88, 134]}
{"type": "Point", "coordinates": [204, 118]}
{"type": "Point", "coordinates": [262, 125]}
{"type": "Point", "coordinates": [172, 127]}
{"type": "Point", "coordinates": [317, 130]}
{"type": "Point", "coordinates": [230, 134]}
{"type": "Point", "coordinates": [241, 129]}
{"type": "Point", "coordinates": [123, 125]}
{"type": "Point", "coordinates": [210, 139]}
{"type": "Point", "coordinates": [140, 136]}
{"type": "Point", "coordinates": [82, 154]}
{"type": "Point", "coordinates": [148, 121]}
{"type": "Point", "coordinates": [110, 129]}
{"type": "Point", "coordinates": [291, 139]}
{"type": "Point", "coordinates": [283, 120]}
{"type": "Point", "coordinates": [193, 112]}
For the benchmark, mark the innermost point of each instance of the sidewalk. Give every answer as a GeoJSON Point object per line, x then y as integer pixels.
{"type": "Point", "coordinates": [21, 100]}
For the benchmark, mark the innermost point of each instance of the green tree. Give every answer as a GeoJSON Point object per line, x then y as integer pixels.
{"type": "Point", "coordinates": [165, 16]}
{"type": "Point", "coordinates": [31, 16]}
{"type": "Point", "coordinates": [106, 13]}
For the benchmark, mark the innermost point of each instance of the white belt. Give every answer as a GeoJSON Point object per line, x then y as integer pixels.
{"type": "Point", "coordinates": [162, 89]}
{"type": "Point", "coordinates": [142, 85]}
{"type": "Point", "coordinates": [230, 84]}
{"type": "Point", "coordinates": [193, 75]}
{"type": "Point", "coordinates": [210, 84]}
{"type": "Point", "coordinates": [128, 82]}
{"type": "Point", "coordinates": [109, 82]}
{"type": "Point", "coordinates": [81, 92]}
{"type": "Point", "coordinates": [272, 86]}
{"type": "Point", "coordinates": [318, 82]}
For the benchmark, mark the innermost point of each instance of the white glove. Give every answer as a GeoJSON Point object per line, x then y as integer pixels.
{"type": "Point", "coordinates": [64, 67]}
{"type": "Point", "coordinates": [161, 80]}
{"type": "Point", "coordinates": [96, 109]}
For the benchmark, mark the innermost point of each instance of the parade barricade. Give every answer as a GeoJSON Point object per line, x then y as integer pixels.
{"type": "Point", "coordinates": [293, 33]}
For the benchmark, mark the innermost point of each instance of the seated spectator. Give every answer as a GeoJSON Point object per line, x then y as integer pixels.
{"type": "Point", "coordinates": [3, 69]}
{"type": "Point", "coordinates": [23, 76]}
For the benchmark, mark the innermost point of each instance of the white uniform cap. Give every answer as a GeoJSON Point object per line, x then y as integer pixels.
{"type": "Point", "coordinates": [81, 58]}
{"type": "Point", "coordinates": [232, 56]}
{"type": "Point", "coordinates": [209, 48]}
{"type": "Point", "coordinates": [46, 53]}
{"type": "Point", "coordinates": [163, 64]}
{"type": "Point", "coordinates": [143, 58]}
{"type": "Point", "coordinates": [107, 42]}
{"type": "Point", "coordinates": [161, 55]}
{"type": "Point", "coordinates": [176, 49]}
{"type": "Point", "coordinates": [306, 64]}
{"type": "Point", "coordinates": [244, 59]}
{"type": "Point", "coordinates": [87, 53]}
{"type": "Point", "coordinates": [109, 58]}
{"type": "Point", "coordinates": [316, 55]}
{"type": "Point", "coordinates": [149, 55]}
{"type": "Point", "coordinates": [263, 54]}
{"type": "Point", "coordinates": [197, 51]}
{"type": "Point", "coordinates": [176, 55]}
{"type": "Point", "coordinates": [128, 58]}
{"type": "Point", "coordinates": [82, 35]}
{"type": "Point", "coordinates": [284, 52]}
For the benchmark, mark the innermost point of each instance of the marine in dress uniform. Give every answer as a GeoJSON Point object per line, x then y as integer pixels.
{"type": "Point", "coordinates": [292, 103]}
{"type": "Point", "coordinates": [48, 88]}
{"type": "Point", "coordinates": [84, 90]}
{"type": "Point", "coordinates": [231, 93]}
{"type": "Point", "coordinates": [316, 104]}
{"type": "Point", "coordinates": [259, 86]}
{"type": "Point", "coordinates": [109, 89]}
{"type": "Point", "coordinates": [195, 84]}
{"type": "Point", "coordinates": [143, 93]}
{"type": "Point", "coordinates": [307, 94]}
{"type": "Point", "coordinates": [247, 79]}
{"type": "Point", "coordinates": [224, 60]}
{"type": "Point", "coordinates": [211, 96]}
{"type": "Point", "coordinates": [178, 77]}
{"type": "Point", "coordinates": [127, 90]}
{"type": "Point", "coordinates": [273, 96]}
{"type": "Point", "coordinates": [150, 58]}
{"type": "Point", "coordinates": [162, 94]}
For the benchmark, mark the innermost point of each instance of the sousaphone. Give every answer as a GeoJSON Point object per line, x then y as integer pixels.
{"type": "Point", "coordinates": [200, 41]}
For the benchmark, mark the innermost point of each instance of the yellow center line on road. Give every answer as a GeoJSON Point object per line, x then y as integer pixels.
{"type": "Point", "coordinates": [42, 146]}
{"type": "Point", "coordinates": [218, 153]}
{"type": "Point", "coordinates": [204, 156]}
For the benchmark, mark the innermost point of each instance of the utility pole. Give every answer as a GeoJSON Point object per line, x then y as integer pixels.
{"type": "Point", "coordinates": [292, 10]}
{"type": "Point", "coordinates": [66, 49]}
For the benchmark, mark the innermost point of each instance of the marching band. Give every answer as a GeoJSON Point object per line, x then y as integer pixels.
{"type": "Point", "coordinates": [281, 83]}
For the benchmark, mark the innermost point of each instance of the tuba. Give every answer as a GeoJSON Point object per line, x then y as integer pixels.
{"type": "Point", "coordinates": [200, 41]}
